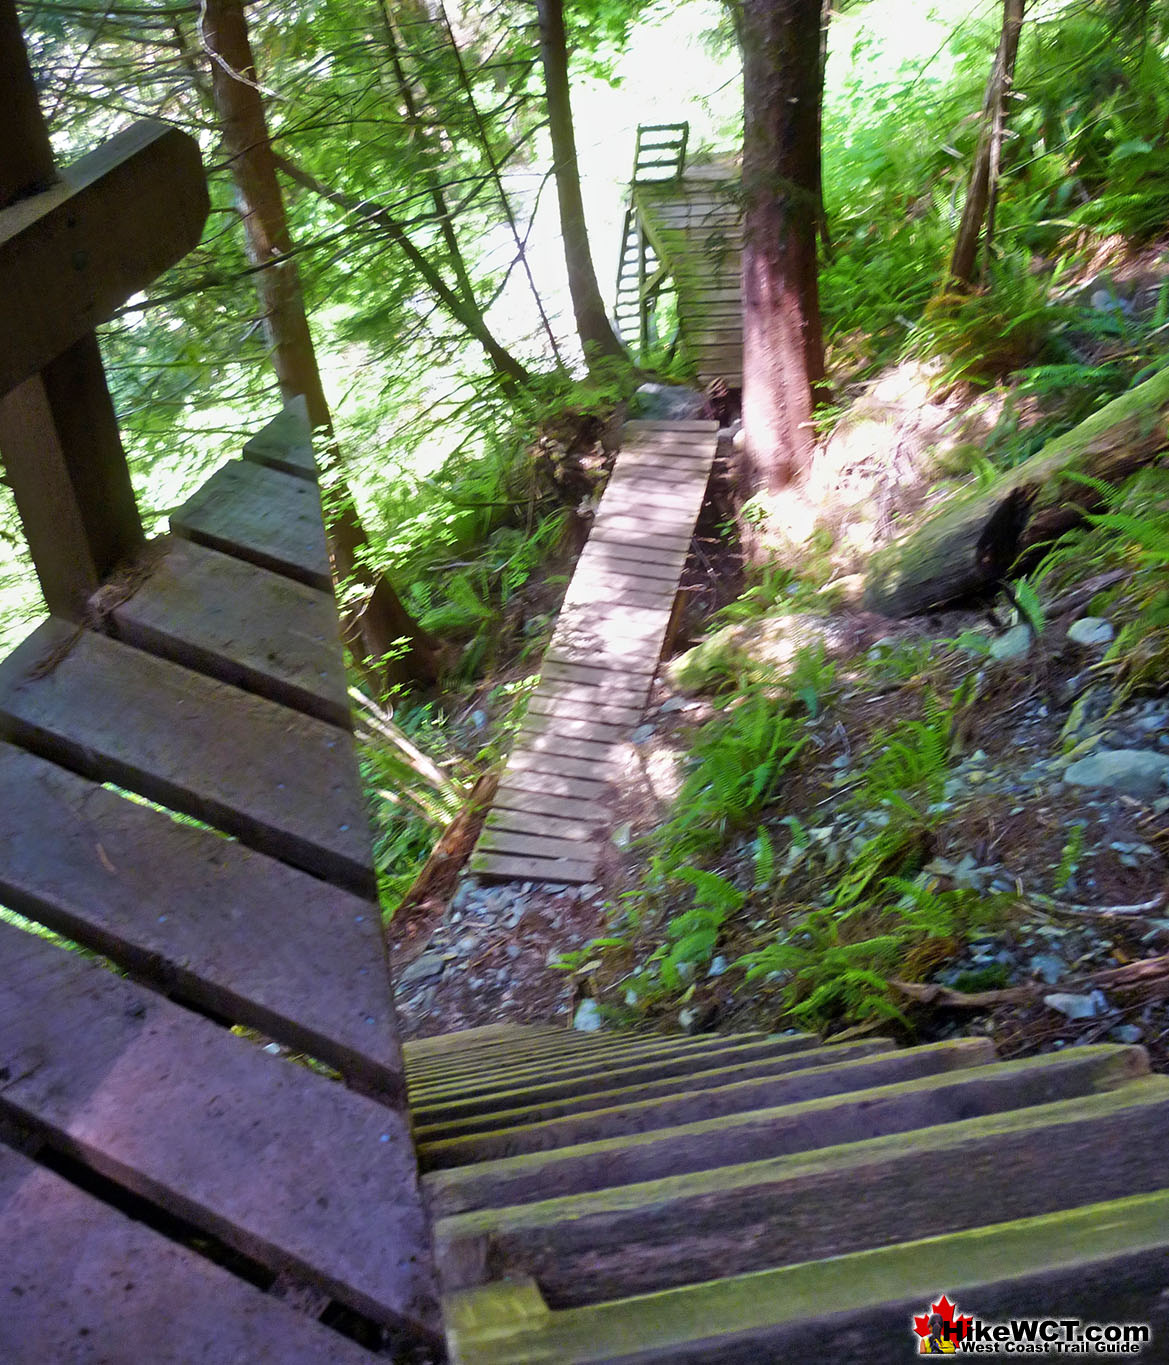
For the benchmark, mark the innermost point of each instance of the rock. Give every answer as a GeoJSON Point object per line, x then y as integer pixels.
{"type": "Point", "coordinates": [1090, 630]}
{"type": "Point", "coordinates": [643, 733]}
{"type": "Point", "coordinates": [587, 1018]}
{"type": "Point", "coordinates": [1047, 967]}
{"type": "Point", "coordinates": [666, 403]}
{"type": "Point", "coordinates": [513, 951]}
{"type": "Point", "coordinates": [589, 890]}
{"type": "Point", "coordinates": [687, 1019]}
{"type": "Point", "coordinates": [718, 966]}
{"type": "Point", "coordinates": [622, 836]}
{"type": "Point", "coordinates": [1014, 644]}
{"type": "Point", "coordinates": [673, 704]}
{"type": "Point", "coordinates": [1135, 772]}
{"type": "Point", "coordinates": [427, 967]}
{"type": "Point", "coordinates": [1077, 1006]}
{"type": "Point", "coordinates": [1128, 1033]}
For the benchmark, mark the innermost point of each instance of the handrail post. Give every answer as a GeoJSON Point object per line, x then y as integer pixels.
{"type": "Point", "coordinates": [58, 431]}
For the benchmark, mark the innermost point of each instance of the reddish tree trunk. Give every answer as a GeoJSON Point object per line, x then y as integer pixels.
{"type": "Point", "coordinates": [376, 629]}
{"type": "Point", "coordinates": [592, 322]}
{"type": "Point", "coordinates": [783, 352]}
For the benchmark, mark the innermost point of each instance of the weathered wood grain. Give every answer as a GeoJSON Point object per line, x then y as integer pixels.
{"type": "Point", "coordinates": [262, 515]}
{"type": "Point", "coordinates": [280, 1163]}
{"type": "Point", "coordinates": [282, 782]}
{"type": "Point", "coordinates": [200, 917]}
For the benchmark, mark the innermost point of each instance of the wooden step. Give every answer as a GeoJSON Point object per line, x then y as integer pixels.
{"type": "Point", "coordinates": [226, 928]}
{"type": "Point", "coordinates": [1106, 1262]}
{"type": "Point", "coordinates": [669, 1232]}
{"type": "Point", "coordinates": [639, 1116]}
{"type": "Point", "coordinates": [283, 783]}
{"type": "Point", "coordinates": [262, 515]}
{"type": "Point", "coordinates": [82, 1282]}
{"type": "Point", "coordinates": [759, 1134]}
{"type": "Point", "coordinates": [286, 443]}
{"type": "Point", "coordinates": [531, 1105]}
{"type": "Point", "coordinates": [592, 1069]}
{"type": "Point", "coordinates": [241, 624]}
{"type": "Point", "coordinates": [280, 1163]}
{"type": "Point", "coordinates": [507, 1049]}
{"type": "Point", "coordinates": [552, 1081]}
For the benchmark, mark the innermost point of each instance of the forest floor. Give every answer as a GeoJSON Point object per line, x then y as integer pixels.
{"type": "Point", "coordinates": [1037, 833]}
{"type": "Point", "coordinates": [1003, 825]}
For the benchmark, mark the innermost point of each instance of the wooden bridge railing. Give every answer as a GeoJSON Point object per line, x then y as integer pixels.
{"type": "Point", "coordinates": [74, 246]}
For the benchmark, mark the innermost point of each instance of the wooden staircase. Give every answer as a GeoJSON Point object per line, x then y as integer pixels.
{"type": "Point", "coordinates": [767, 1199]}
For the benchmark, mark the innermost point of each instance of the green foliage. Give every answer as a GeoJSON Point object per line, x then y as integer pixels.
{"type": "Point", "coordinates": [834, 963]}
{"type": "Point", "coordinates": [1030, 606]}
{"type": "Point", "coordinates": [906, 765]}
{"type": "Point", "coordinates": [1069, 858]}
{"type": "Point", "coordinates": [739, 758]}
{"type": "Point", "coordinates": [691, 936]}
{"type": "Point", "coordinates": [1132, 533]}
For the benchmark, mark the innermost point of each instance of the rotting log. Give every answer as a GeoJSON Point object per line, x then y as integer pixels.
{"type": "Point", "coordinates": [974, 541]}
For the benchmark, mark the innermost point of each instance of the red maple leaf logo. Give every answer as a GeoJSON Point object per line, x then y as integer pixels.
{"type": "Point", "coordinates": [948, 1312]}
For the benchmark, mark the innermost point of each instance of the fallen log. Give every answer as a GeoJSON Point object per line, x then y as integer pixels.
{"type": "Point", "coordinates": [974, 540]}
{"type": "Point", "coordinates": [1147, 972]}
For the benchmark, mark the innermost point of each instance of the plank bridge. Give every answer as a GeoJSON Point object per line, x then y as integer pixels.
{"type": "Point", "coordinates": [213, 1147]}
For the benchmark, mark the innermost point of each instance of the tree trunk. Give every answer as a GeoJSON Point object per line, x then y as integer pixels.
{"type": "Point", "coordinates": [783, 351]}
{"type": "Point", "coordinates": [466, 313]}
{"type": "Point", "coordinates": [375, 631]}
{"type": "Point", "coordinates": [592, 322]}
{"type": "Point", "coordinates": [983, 186]}
{"type": "Point", "coordinates": [973, 543]}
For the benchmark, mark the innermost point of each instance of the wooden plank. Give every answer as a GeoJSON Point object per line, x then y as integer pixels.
{"type": "Point", "coordinates": [583, 645]}
{"type": "Point", "coordinates": [642, 539]}
{"type": "Point", "coordinates": [532, 760]}
{"type": "Point", "coordinates": [537, 845]}
{"type": "Point", "coordinates": [532, 869]}
{"type": "Point", "coordinates": [618, 592]}
{"type": "Point", "coordinates": [514, 798]}
{"type": "Point", "coordinates": [72, 254]}
{"type": "Point", "coordinates": [604, 732]}
{"type": "Point", "coordinates": [200, 917]}
{"type": "Point", "coordinates": [610, 695]}
{"type": "Point", "coordinates": [282, 1164]}
{"type": "Point", "coordinates": [281, 782]}
{"type": "Point", "coordinates": [695, 424]}
{"type": "Point", "coordinates": [550, 784]}
{"type": "Point", "coordinates": [648, 563]}
{"type": "Point", "coordinates": [261, 515]}
{"type": "Point", "coordinates": [601, 752]}
{"type": "Point", "coordinates": [670, 531]}
{"type": "Point", "coordinates": [286, 443]}
{"type": "Point", "coordinates": [597, 677]}
{"type": "Point", "coordinates": [63, 1254]}
{"type": "Point", "coordinates": [241, 624]}
{"type": "Point", "coordinates": [582, 710]}
{"type": "Point", "coordinates": [526, 822]}
{"type": "Point", "coordinates": [694, 447]}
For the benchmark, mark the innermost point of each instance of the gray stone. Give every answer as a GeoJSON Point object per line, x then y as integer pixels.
{"type": "Point", "coordinates": [666, 403]}
{"type": "Point", "coordinates": [687, 1018]}
{"type": "Point", "coordinates": [1077, 1006]}
{"type": "Point", "coordinates": [1090, 630]}
{"type": "Point", "coordinates": [1014, 644]}
{"type": "Point", "coordinates": [642, 734]}
{"type": "Point", "coordinates": [1047, 967]}
{"type": "Point", "coordinates": [424, 968]}
{"type": "Point", "coordinates": [674, 704]}
{"type": "Point", "coordinates": [1135, 772]}
{"type": "Point", "coordinates": [588, 1017]}
{"type": "Point", "coordinates": [1128, 1033]}
{"type": "Point", "coordinates": [718, 966]}
{"type": "Point", "coordinates": [622, 836]}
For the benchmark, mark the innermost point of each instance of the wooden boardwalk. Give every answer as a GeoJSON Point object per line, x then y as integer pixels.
{"type": "Point", "coordinates": [556, 792]}
{"type": "Point", "coordinates": [683, 234]}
